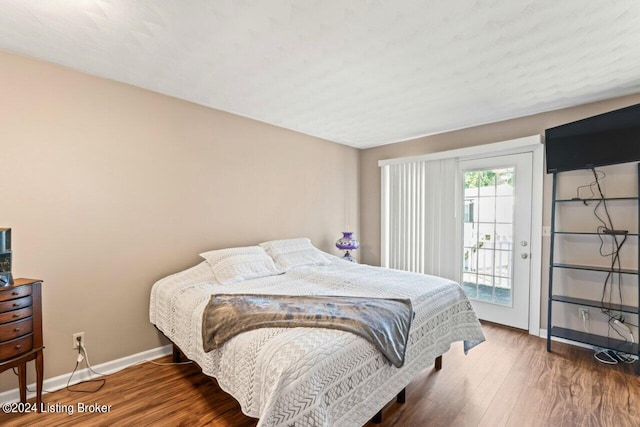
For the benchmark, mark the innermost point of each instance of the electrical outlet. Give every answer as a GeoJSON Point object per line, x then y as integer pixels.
{"type": "Point", "coordinates": [583, 313]}
{"type": "Point", "coordinates": [75, 339]}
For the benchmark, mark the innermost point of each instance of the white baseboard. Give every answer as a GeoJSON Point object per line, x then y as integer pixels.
{"type": "Point", "coordinates": [543, 334]}
{"type": "Point", "coordinates": [60, 382]}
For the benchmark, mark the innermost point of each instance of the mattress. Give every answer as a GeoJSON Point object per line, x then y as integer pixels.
{"type": "Point", "coordinates": [309, 376]}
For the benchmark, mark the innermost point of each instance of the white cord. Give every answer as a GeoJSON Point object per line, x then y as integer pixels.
{"type": "Point", "coordinates": [142, 362]}
{"type": "Point", "coordinates": [619, 323]}
{"type": "Point", "coordinates": [168, 364]}
{"type": "Point", "coordinates": [584, 322]}
{"type": "Point", "coordinates": [86, 355]}
{"type": "Point", "coordinates": [627, 358]}
{"type": "Point", "coordinates": [608, 362]}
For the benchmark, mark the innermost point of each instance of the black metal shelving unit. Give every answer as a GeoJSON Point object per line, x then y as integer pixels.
{"type": "Point", "coordinates": [579, 336]}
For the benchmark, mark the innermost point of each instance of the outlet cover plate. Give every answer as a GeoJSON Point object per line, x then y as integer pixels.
{"type": "Point", "coordinates": [75, 341]}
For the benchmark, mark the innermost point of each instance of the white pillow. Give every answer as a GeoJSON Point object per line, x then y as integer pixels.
{"type": "Point", "coordinates": [292, 253]}
{"type": "Point", "coordinates": [234, 265]}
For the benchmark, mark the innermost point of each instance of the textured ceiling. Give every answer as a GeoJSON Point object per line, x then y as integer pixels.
{"type": "Point", "coordinates": [358, 72]}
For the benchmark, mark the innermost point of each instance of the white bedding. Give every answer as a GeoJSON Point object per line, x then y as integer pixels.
{"type": "Point", "coordinates": [308, 376]}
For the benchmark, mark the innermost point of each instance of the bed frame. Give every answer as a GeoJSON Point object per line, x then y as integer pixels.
{"type": "Point", "coordinates": [377, 418]}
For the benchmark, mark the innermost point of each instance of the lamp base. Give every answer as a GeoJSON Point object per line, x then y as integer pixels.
{"type": "Point", "coordinates": [347, 257]}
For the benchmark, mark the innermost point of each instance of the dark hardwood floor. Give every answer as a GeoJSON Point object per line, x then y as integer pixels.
{"type": "Point", "coordinates": [510, 380]}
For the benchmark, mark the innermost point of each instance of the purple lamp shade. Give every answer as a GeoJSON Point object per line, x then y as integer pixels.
{"type": "Point", "coordinates": [347, 243]}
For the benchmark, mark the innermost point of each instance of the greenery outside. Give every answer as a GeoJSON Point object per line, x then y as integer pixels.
{"type": "Point", "coordinates": [488, 178]}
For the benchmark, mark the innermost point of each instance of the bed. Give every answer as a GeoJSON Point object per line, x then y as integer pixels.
{"type": "Point", "coordinates": [311, 376]}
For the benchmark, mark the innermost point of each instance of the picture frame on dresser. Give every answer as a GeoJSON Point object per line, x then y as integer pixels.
{"type": "Point", "coordinates": [21, 332]}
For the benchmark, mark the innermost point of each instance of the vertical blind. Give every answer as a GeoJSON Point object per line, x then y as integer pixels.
{"type": "Point", "coordinates": [418, 215]}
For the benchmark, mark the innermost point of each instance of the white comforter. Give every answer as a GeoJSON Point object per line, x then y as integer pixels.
{"type": "Point", "coordinates": [308, 376]}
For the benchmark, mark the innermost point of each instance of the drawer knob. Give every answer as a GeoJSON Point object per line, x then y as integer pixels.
{"type": "Point", "coordinates": [16, 315]}
{"type": "Point", "coordinates": [16, 304]}
{"type": "Point", "coordinates": [14, 293]}
{"type": "Point", "coordinates": [18, 346]}
{"type": "Point", "coordinates": [16, 330]}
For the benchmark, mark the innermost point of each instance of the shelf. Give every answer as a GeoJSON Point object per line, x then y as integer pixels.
{"type": "Point", "coordinates": [595, 340]}
{"type": "Point", "coordinates": [597, 200]}
{"type": "Point", "coordinates": [590, 233]}
{"type": "Point", "coordinates": [597, 304]}
{"type": "Point", "coordinates": [632, 223]}
{"type": "Point", "coordinates": [595, 268]}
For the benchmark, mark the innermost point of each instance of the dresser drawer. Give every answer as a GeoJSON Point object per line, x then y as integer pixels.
{"type": "Point", "coordinates": [12, 316]}
{"type": "Point", "coordinates": [12, 330]}
{"type": "Point", "coordinates": [15, 304]}
{"type": "Point", "coordinates": [13, 293]}
{"type": "Point", "coordinates": [16, 347]}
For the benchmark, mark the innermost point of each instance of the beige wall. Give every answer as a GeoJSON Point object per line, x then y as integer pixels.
{"type": "Point", "coordinates": [108, 188]}
{"type": "Point", "coordinates": [501, 131]}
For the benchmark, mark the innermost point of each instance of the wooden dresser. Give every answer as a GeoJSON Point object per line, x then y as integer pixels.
{"type": "Point", "coordinates": [21, 332]}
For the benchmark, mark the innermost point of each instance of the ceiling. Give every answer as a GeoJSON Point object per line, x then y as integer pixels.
{"type": "Point", "coordinates": [358, 72]}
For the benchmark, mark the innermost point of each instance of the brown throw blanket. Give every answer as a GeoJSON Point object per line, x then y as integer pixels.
{"type": "Point", "coordinates": [383, 322]}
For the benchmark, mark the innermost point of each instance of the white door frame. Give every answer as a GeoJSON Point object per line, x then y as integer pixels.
{"type": "Point", "coordinates": [531, 144]}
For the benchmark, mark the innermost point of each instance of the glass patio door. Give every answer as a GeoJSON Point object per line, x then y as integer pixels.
{"type": "Point", "coordinates": [496, 230]}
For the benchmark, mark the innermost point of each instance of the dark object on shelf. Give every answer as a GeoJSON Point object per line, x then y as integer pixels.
{"type": "Point", "coordinates": [605, 139]}
{"type": "Point", "coordinates": [6, 278]}
{"type": "Point", "coordinates": [603, 342]}
{"type": "Point", "coordinates": [617, 232]}
{"type": "Point", "coordinates": [5, 240]}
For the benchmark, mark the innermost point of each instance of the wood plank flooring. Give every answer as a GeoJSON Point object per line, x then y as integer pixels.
{"type": "Point", "coordinates": [510, 380]}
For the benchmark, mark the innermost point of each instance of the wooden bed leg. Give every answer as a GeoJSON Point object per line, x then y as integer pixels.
{"type": "Point", "coordinates": [377, 418]}
{"type": "Point", "coordinates": [176, 354]}
{"type": "Point", "coordinates": [438, 363]}
{"type": "Point", "coordinates": [401, 398]}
